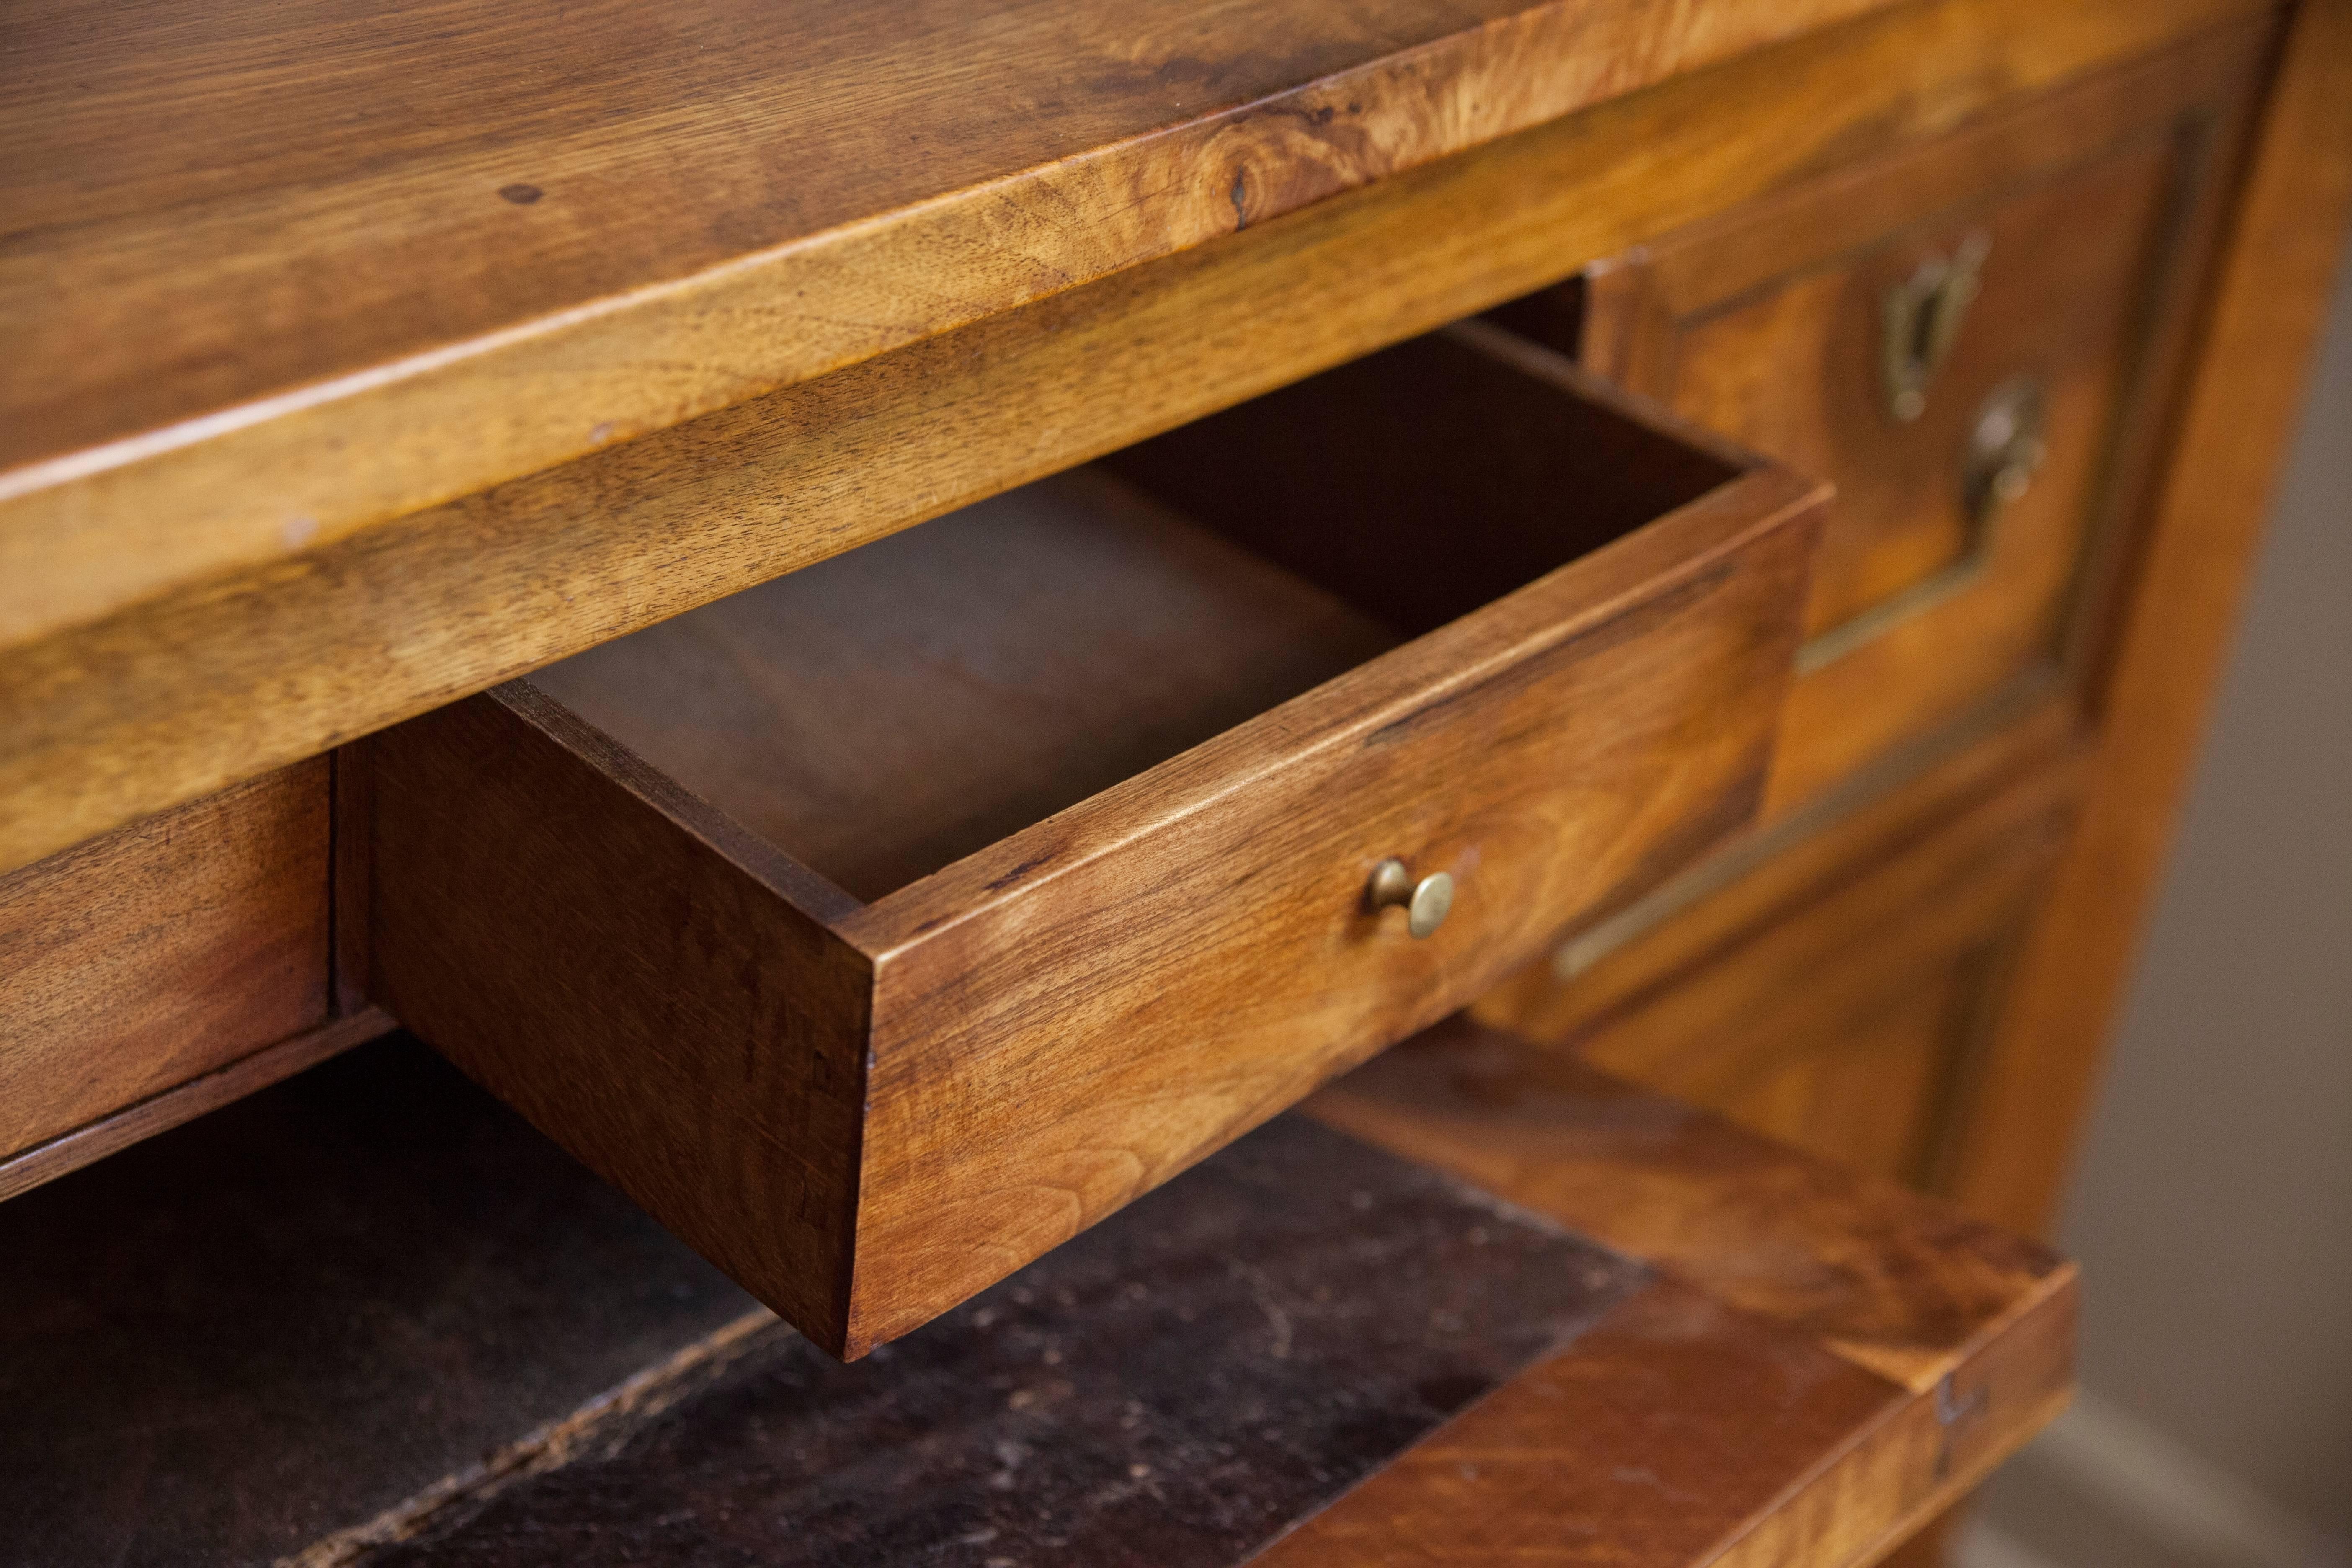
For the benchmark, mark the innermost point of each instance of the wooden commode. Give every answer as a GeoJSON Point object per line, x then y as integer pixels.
{"type": "Point", "coordinates": [898, 623]}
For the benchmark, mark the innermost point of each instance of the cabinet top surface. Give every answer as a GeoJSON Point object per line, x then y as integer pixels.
{"type": "Point", "coordinates": [466, 240]}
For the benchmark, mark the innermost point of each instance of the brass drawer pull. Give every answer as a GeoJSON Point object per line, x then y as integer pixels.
{"type": "Point", "coordinates": [2005, 448]}
{"type": "Point", "coordinates": [1425, 903]}
{"type": "Point", "coordinates": [1923, 318]}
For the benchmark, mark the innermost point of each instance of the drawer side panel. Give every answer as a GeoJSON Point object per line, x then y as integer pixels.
{"type": "Point", "coordinates": [647, 1001]}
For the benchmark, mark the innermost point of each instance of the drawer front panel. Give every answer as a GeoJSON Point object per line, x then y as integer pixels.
{"type": "Point", "coordinates": [161, 951]}
{"type": "Point", "coordinates": [1138, 1003]}
{"type": "Point", "coordinates": [1953, 337]}
{"type": "Point", "coordinates": [1838, 999]}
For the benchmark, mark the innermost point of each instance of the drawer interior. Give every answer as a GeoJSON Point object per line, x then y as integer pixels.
{"type": "Point", "coordinates": [893, 709]}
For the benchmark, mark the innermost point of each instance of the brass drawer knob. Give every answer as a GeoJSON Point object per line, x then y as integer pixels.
{"type": "Point", "coordinates": [1426, 902]}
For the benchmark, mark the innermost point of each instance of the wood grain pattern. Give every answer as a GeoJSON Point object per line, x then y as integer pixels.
{"type": "Point", "coordinates": [893, 709]}
{"type": "Point", "coordinates": [652, 986]}
{"type": "Point", "coordinates": [256, 299]}
{"type": "Point", "coordinates": [2156, 670]}
{"type": "Point", "coordinates": [1043, 1051]}
{"type": "Point", "coordinates": [869, 1112]}
{"type": "Point", "coordinates": [1254, 1337]}
{"type": "Point", "coordinates": [1680, 1432]}
{"type": "Point", "coordinates": [257, 667]}
{"type": "Point", "coordinates": [161, 952]}
{"type": "Point", "coordinates": [111, 1134]}
{"type": "Point", "coordinates": [1838, 997]}
{"type": "Point", "coordinates": [1898, 1283]}
{"type": "Point", "coordinates": [1766, 323]}
{"type": "Point", "coordinates": [1833, 1362]}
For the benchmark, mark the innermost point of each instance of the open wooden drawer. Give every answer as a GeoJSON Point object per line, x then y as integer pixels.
{"type": "Point", "coordinates": [882, 927]}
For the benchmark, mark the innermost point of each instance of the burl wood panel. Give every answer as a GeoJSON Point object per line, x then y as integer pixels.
{"type": "Point", "coordinates": [260, 665]}
{"type": "Point", "coordinates": [161, 952]}
{"type": "Point", "coordinates": [1768, 324]}
{"type": "Point", "coordinates": [258, 298]}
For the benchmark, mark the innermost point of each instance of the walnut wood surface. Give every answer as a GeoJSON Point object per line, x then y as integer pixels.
{"type": "Point", "coordinates": [1834, 1361]}
{"type": "Point", "coordinates": [1299, 1309]}
{"type": "Point", "coordinates": [895, 709]}
{"type": "Point", "coordinates": [868, 1112]}
{"type": "Point", "coordinates": [644, 980]}
{"type": "Point", "coordinates": [261, 295]}
{"type": "Point", "coordinates": [161, 952]}
{"type": "Point", "coordinates": [1039, 1052]}
{"type": "Point", "coordinates": [165, 700]}
{"type": "Point", "coordinates": [119, 1129]}
{"type": "Point", "coordinates": [1838, 996]}
{"type": "Point", "coordinates": [1766, 323]}
{"type": "Point", "coordinates": [1901, 1284]}
{"type": "Point", "coordinates": [2156, 668]}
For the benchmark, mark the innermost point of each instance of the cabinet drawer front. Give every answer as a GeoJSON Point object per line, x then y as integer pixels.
{"type": "Point", "coordinates": [1957, 337]}
{"type": "Point", "coordinates": [886, 926]}
{"type": "Point", "coordinates": [1150, 992]}
{"type": "Point", "coordinates": [161, 952]}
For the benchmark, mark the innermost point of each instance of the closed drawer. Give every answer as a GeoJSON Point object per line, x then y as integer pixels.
{"type": "Point", "coordinates": [152, 955]}
{"type": "Point", "coordinates": [1842, 995]}
{"type": "Point", "coordinates": [882, 927]}
{"type": "Point", "coordinates": [1965, 338]}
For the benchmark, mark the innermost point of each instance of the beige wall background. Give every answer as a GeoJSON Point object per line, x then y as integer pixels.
{"type": "Point", "coordinates": [2212, 1208]}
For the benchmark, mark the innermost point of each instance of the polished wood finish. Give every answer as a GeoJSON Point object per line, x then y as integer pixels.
{"type": "Point", "coordinates": [868, 1110]}
{"type": "Point", "coordinates": [185, 692]}
{"type": "Point", "coordinates": [1752, 1375]}
{"type": "Point", "coordinates": [1850, 1016]}
{"type": "Point", "coordinates": [912, 702]}
{"type": "Point", "coordinates": [259, 301]}
{"type": "Point", "coordinates": [2156, 670]}
{"type": "Point", "coordinates": [330, 422]}
{"type": "Point", "coordinates": [1829, 1362]}
{"type": "Point", "coordinates": [652, 985]}
{"type": "Point", "coordinates": [1546, 764]}
{"type": "Point", "coordinates": [1767, 323]}
{"type": "Point", "coordinates": [159, 953]}
{"type": "Point", "coordinates": [142, 1119]}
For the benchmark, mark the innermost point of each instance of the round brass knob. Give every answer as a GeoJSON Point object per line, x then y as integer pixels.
{"type": "Point", "coordinates": [1426, 902]}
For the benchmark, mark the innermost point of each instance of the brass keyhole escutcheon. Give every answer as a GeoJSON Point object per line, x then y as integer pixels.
{"type": "Point", "coordinates": [1922, 316]}
{"type": "Point", "coordinates": [1426, 902]}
